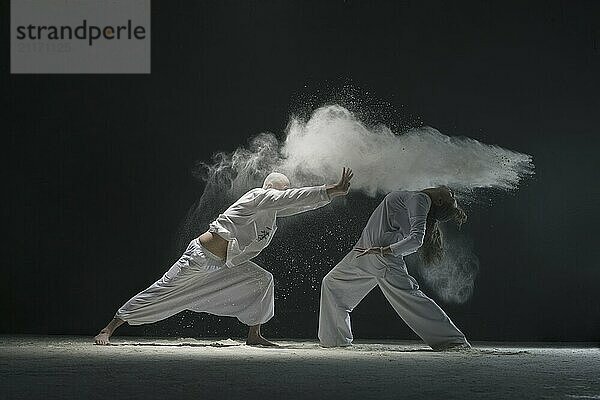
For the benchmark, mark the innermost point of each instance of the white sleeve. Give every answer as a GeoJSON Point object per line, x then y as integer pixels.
{"type": "Point", "coordinates": [292, 201]}
{"type": "Point", "coordinates": [286, 212]}
{"type": "Point", "coordinates": [417, 208]}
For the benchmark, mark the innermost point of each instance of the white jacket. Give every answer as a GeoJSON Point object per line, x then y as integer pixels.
{"type": "Point", "coordinates": [250, 223]}
{"type": "Point", "coordinates": [399, 221]}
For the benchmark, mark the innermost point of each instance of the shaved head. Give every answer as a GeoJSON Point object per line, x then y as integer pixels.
{"type": "Point", "coordinates": [276, 180]}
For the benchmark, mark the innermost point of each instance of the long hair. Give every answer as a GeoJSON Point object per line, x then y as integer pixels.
{"type": "Point", "coordinates": [432, 250]}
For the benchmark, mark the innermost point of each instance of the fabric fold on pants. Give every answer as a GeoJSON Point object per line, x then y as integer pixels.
{"type": "Point", "coordinates": [200, 282]}
{"type": "Point", "coordinates": [345, 286]}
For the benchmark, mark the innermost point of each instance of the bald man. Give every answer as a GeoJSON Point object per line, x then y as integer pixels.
{"type": "Point", "coordinates": [215, 274]}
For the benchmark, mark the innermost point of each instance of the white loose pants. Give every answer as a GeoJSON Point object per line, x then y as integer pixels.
{"type": "Point", "coordinates": [353, 278]}
{"type": "Point", "coordinates": [199, 281]}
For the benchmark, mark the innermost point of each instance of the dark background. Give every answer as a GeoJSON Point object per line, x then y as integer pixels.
{"type": "Point", "coordinates": [96, 168]}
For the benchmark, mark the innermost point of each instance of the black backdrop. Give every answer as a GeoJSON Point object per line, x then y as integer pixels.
{"type": "Point", "coordinates": [96, 168]}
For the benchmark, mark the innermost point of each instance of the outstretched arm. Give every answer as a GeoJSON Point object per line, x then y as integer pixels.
{"type": "Point", "coordinates": [294, 201]}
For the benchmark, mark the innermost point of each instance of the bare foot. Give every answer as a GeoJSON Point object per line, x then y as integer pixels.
{"type": "Point", "coordinates": [102, 338]}
{"type": "Point", "coordinates": [258, 340]}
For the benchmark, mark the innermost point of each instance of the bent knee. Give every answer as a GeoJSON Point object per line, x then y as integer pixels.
{"type": "Point", "coordinates": [265, 278]}
{"type": "Point", "coordinates": [269, 277]}
{"type": "Point", "coordinates": [328, 281]}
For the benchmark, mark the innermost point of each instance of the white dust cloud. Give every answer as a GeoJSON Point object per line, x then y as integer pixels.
{"type": "Point", "coordinates": [383, 161]}
{"type": "Point", "coordinates": [315, 150]}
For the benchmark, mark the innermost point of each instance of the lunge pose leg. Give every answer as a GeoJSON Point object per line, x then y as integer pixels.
{"type": "Point", "coordinates": [404, 222]}
{"type": "Point", "coordinates": [215, 274]}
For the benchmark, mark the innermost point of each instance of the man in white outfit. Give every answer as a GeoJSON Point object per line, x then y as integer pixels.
{"type": "Point", "coordinates": [404, 222]}
{"type": "Point", "coordinates": [215, 274]}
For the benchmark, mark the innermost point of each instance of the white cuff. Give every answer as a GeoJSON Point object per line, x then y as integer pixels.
{"type": "Point", "coordinates": [323, 193]}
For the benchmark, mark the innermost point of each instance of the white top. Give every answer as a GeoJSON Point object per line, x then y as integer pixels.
{"type": "Point", "coordinates": [399, 221]}
{"type": "Point", "coordinates": [249, 223]}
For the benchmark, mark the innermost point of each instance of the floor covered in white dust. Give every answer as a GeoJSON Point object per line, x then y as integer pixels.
{"type": "Point", "coordinates": [61, 367]}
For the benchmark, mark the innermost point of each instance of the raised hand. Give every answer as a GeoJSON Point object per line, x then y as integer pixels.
{"type": "Point", "coordinates": [343, 186]}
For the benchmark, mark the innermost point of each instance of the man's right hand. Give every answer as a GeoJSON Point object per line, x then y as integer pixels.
{"type": "Point", "coordinates": [341, 188]}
